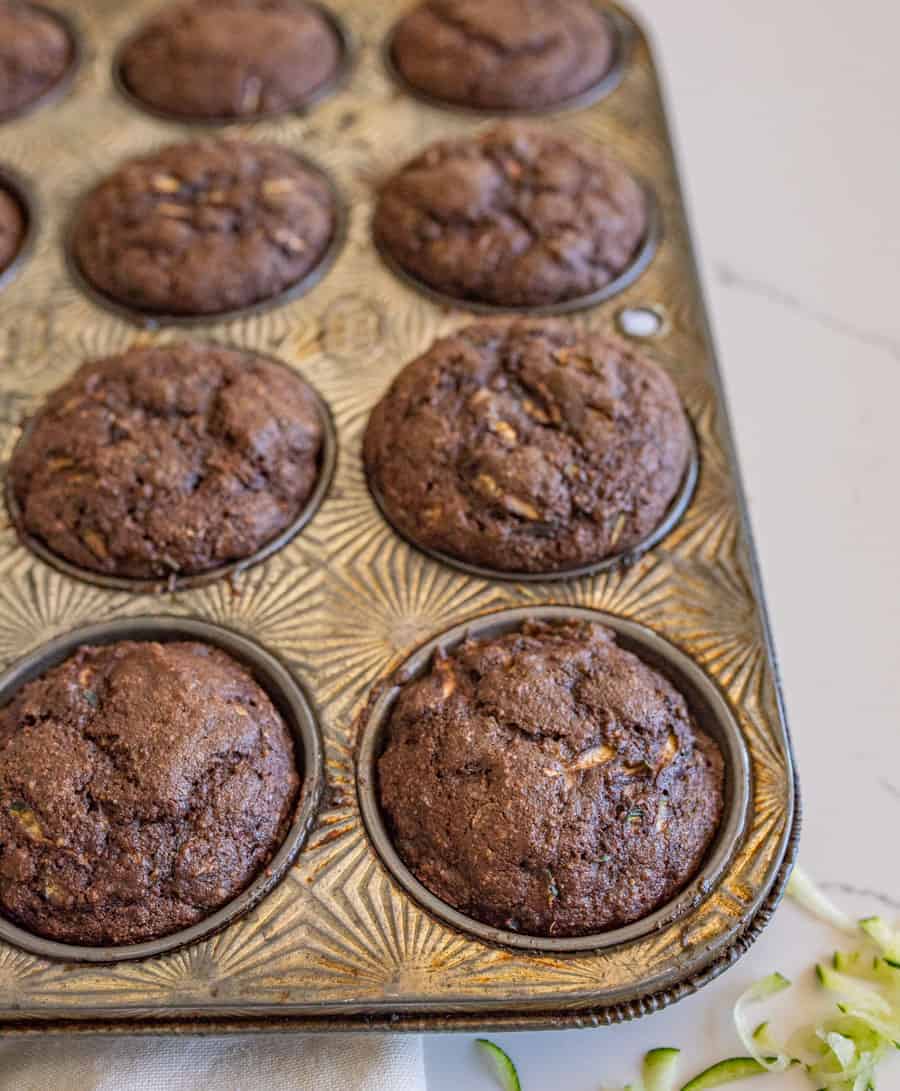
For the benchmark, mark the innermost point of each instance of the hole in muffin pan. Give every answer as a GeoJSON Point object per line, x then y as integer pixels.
{"type": "Point", "coordinates": [641, 323]}
{"type": "Point", "coordinates": [325, 90]}
{"type": "Point", "coordinates": [669, 521]}
{"type": "Point", "coordinates": [638, 266]}
{"type": "Point", "coordinates": [288, 698]}
{"type": "Point", "coordinates": [63, 85]}
{"type": "Point", "coordinates": [152, 320]}
{"type": "Point", "coordinates": [327, 463]}
{"type": "Point", "coordinates": [706, 703]}
{"type": "Point", "coordinates": [622, 37]}
{"type": "Point", "coordinates": [22, 192]}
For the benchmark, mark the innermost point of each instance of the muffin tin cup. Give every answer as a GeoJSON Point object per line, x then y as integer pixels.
{"type": "Point", "coordinates": [709, 707]}
{"type": "Point", "coordinates": [327, 464]}
{"type": "Point", "coordinates": [627, 557]}
{"type": "Point", "coordinates": [22, 192]}
{"type": "Point", "coordinates": [622, 41]}
{"type": "Point", "coordinates": [152, 320]}
{"type": "Point", "coordinates": [325, 90]}
{"type": "Point", "coordinates": [287, 697]}
{"type": "Point", "coordinates": [63, 85]}
{"type": "Point", "coordinates": [636, 268]}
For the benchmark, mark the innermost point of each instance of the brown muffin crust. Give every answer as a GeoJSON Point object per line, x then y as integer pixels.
{"type": "Point", "coordinates": [168, 461]}
{"type": "Point", "coordinates": [508, 54]}
{"type": "Point", "coordinates": [35, 53]}
{"type": "Point", "coordinates": [515, 217]}
{"type": "Point", "coordinates": [525, 446]}
{"type": "Point", "coordinates": [142, 786]}
{"type": "Point", "coordinates": [204, 227]}
{"type": "Point", "coordinates": [12, 228]}
{"type": "Point", "coordinates": [549, 782]}
{"type": "Point", "coordinates": [231, 58]}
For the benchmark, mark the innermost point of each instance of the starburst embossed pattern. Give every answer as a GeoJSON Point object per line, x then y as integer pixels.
{"type": "Point", "coordinates": [346, 602]}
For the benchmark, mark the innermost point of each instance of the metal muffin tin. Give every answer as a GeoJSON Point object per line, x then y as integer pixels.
{"type": "Point", "coordinates": [288, 699]}
{"type": "Point", "coordinates": [339, 942]}
{"type": "Point", "coordinates": [708, 707]}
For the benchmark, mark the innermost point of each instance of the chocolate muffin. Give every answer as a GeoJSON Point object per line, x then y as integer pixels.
{"type": "Point", "coordinates": [525, 446]}
{"type": "Point", "coordinates": [549, 782]}
{"type": "Point", "coordinates": [167, 461]}
{"type": "Point", "coordinates": [12, 228]}
{"type": "Point", "coordinates": [226, 59]}
{"type": "Point", "coordinates": [505, 55]}
{"type": "Point", "coordinates": [518, 216]}
{"type": "Point", "coordinates": [35, 54]}
{"type": "Point", "coordinates": [142, 786]}
{"type": "Point", "coordinates": [204, 227]}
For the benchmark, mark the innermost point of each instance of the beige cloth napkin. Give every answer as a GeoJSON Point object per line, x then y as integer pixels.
{"type": "Point", "coordinates": [267, 1062]}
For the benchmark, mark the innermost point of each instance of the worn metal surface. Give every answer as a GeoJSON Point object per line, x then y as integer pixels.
{"type": "Point", "coordinates": [339, 943]}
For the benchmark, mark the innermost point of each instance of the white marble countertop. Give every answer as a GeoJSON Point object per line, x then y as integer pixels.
{"type": "Point", "coordinates": [787, 118]}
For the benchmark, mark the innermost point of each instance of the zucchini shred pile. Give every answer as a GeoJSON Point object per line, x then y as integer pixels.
{"type": "Point", "coordinates": [842, 1052]}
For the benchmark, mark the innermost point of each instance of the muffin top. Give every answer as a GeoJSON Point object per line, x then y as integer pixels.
{"type": "Point", "coordinates": [525, 446]}
{"type": "Point", "coordinates": [508, 54]}
{"type": "Point", "coordinates": [167, 461]}
{"type": "Point", "coordinates": [517, 216]}
{"type": "Point", "coordinates": [231, 58]}
{"type": "Point", "coordinates": [549, 782]}
{"type": "Point", "coordinates": [142, 786]}
{"type": "Point", "coordinates": [35, 52]}
{"type": "Point", "coordinates": [12, 228]}
{"type": "Point", "coordinates": [204, 227]}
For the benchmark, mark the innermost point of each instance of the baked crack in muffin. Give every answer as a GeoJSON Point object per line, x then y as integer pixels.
{"type": "Point", "coordinates": [35, 54]}
{"type": "Point", "coordinates": [142, 786]}
{"type": "Point", "coordinates": [526, 446]}
{"type": "Point", "coordinates": [204, 228]}
{"type": "Point", "coordinates": [518, 216]}
{"type": "Point", "coordinates": [168, 461]}
{"type": "Point", "coordinates": [503, 55]}
{"type": "Point", "coordinates": [231, 59]}
{"type": "Point", "coordinates": [549, 782]}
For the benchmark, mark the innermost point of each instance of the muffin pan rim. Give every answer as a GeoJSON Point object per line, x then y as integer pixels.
{"type": "Point", "coordinates": [633, 271]}
{"type": "Point", "coordinates": [328, 460]}
{"type": "Point", "coordinates": [660, 654]}
{"type": "Point", "coordinates": [329, 87]}
{"type": "Point", "coordinates": [672, 516]}
{"type": "Point", "coordinates": [155, 320]}
{"type": "Point", "coordinates": [606, 85]}
{"type": "Point", "coordinates": [57, 91]}
{"type": "Point", "coordinates": [289, 699]}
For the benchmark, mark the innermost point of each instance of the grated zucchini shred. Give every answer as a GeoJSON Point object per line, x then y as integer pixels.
{"type": "Point", "coordinates": [843, 1052]}
{"type": "Point", "coordinates": [505, 1069]}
